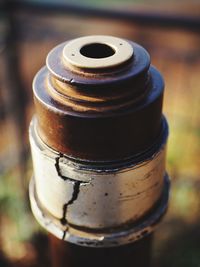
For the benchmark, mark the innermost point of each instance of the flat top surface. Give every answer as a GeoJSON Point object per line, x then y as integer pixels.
{"type": "Point", "coordinates": [99, 51]}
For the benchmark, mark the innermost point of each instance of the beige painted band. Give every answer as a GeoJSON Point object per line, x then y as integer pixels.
{"type": "Point", "coordinates": [106, 198]}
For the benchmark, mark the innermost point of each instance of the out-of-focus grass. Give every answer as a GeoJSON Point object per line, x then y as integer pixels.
{"type": "Point", "coordinates": [183, 109]}
{"type": "Point", "coordinates": [177, 240]}
{"type": "Point", "coordinates": [16, 222]}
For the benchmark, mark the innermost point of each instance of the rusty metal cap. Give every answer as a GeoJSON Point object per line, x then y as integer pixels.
{"type": "Point", "coordinates": [98, 99]}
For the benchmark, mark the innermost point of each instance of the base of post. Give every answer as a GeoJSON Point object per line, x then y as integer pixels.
{"type": "Point", "coordinates": [136, 254]}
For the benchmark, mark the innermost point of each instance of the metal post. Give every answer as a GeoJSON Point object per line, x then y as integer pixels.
{"type": "Point", "coordinates": [15, 94]}
{"type": "Point", "coordinates": [65, 254]}
{"type": "Point", "coordinates": [98, 145]}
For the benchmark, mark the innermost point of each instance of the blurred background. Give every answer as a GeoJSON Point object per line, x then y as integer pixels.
{"type": "Point", "coordinates": [170, 31]}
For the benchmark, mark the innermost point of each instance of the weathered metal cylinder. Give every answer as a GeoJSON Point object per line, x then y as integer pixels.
{"type": "Point", "coordinates": [98, 143]}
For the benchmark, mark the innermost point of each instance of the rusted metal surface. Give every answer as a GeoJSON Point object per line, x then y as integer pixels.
{"type": "Point", "coordinates": [65, 254]}
{"type": "Point", "coordinates": [98, 144]}
{"type": "Point", "coordinates": [86, 114]}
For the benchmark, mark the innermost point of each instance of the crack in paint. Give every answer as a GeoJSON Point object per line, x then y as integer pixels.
{"type": "Point", "coordinates": [64, 234]}
{"type": "Point", "coordinates": [75, 193]}
{"type": "Point", "coordinates": [76, 190]}
{"type": "Point", "coordinates": [57, 159]}
{"type": "Point", "coordinates": [59, 172]}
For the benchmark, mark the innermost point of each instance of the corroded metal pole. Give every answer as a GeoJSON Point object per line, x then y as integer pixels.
{"type": "Point", "coordinates": [65, 254]}
{"type": "Point", "coordinates": [98, 144]}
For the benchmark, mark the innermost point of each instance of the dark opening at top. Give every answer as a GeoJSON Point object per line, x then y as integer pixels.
{"type": "Point", "coordinates": [97, 50]}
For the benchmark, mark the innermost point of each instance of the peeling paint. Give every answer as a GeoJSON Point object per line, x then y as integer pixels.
{"type": "Point", "coordinates": [75, 193]}
{"type": "Point", "coordinates": [123, 191]}
{"type": "Point", "coordinates": [106, 239]}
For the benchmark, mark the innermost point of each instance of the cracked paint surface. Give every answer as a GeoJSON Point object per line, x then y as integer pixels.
{"type": "Point", "coordinates": [75, 193]}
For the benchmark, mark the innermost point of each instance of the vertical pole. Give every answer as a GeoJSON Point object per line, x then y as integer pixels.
{"type": "Point", "coordinates": [15, 92]}
{"type": "Point", "coordinates": [137, 254]}
{"type": "Point", "coordinates": [98, 145]}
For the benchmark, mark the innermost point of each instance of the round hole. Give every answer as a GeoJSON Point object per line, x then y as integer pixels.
{"type": "Point", "coordinates": [97, 50]}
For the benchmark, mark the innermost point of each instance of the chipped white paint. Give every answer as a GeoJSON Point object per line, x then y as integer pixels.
{"type": "Point", "coordinates": [105, 198]}
{"type": "Point", "coordinates": [103, 239]}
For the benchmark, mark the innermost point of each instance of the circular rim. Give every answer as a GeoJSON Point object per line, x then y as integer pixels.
{"type": "Point", "coordinates": [71, 52]}
{"type": "Point", "coordinates": [139, 65]}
